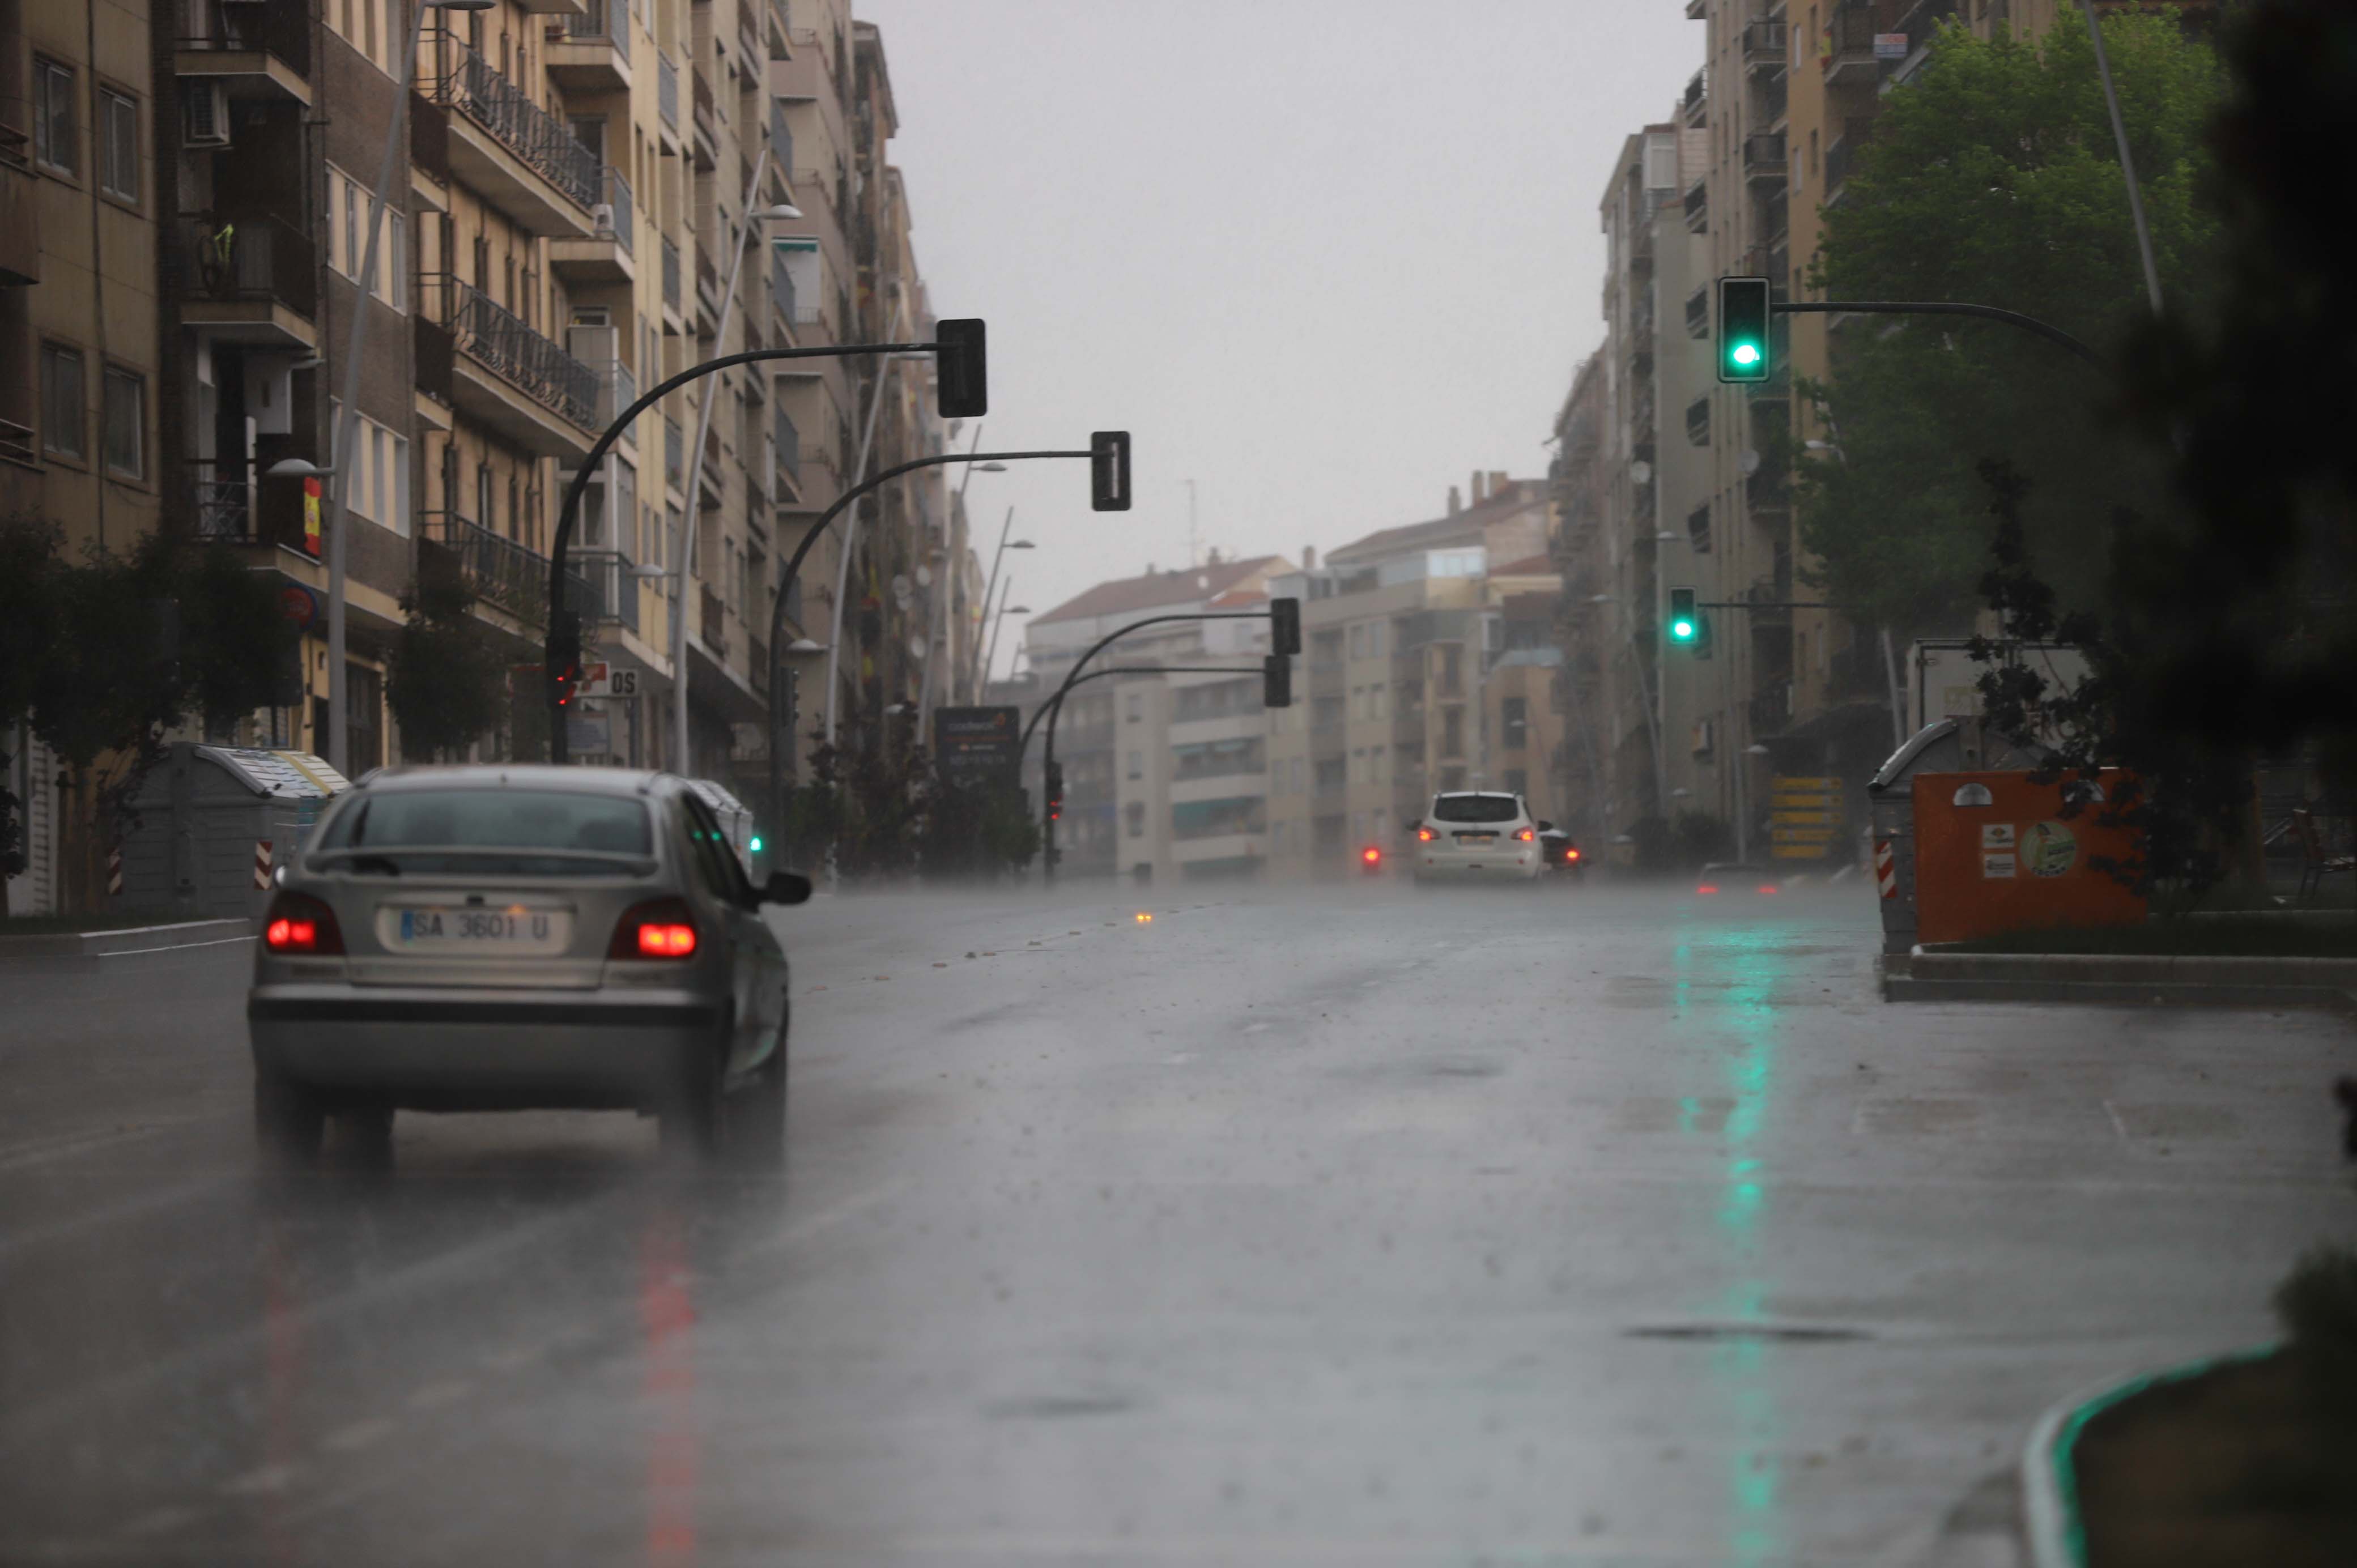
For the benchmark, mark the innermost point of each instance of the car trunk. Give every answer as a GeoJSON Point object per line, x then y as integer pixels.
{"type": "Point", "coordinates": [495, 930]}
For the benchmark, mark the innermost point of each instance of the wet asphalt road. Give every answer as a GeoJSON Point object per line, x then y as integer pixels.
{"type": "Point", "coordinates": [1360, 1226]}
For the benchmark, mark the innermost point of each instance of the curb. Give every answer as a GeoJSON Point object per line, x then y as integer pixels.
{"type": "Point", "coordinates": [2056, 1536]}
{"type": "Point", "coordinates": [2119, 980]}
{"type": "Point", "coordinates": [2118, 993]}
{"type": "Point", "coordinates": [126, 941]}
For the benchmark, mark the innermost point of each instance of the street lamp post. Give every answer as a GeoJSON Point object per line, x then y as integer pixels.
{"type": "Point", "coordinates": [989, 657]}
{"type": "Point", "coordinates": [979, 666]}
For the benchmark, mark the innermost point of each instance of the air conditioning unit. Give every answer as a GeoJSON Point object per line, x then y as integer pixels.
{"type": "Point", "coordinates": [205, 114]}
{"type": "Point", "coordinates": [601, 218]}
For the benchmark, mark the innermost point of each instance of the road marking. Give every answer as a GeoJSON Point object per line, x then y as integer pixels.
{"type": "Point", "coordinates": [433, 1396]}
{"type": "Point", "coordinates": [130, 1208]}
{"type": "Point", "coordinates": [260, 1480]}
{"type": "Point", "coordinates": [177, 946]}
{"type": "Point", "coordinates": [73, 1144]}
{"type": "Point", "coordinates": [358, 1435]}
{"type": "Point", "coordinates": [155, 1521]}
{"type": "Point", "coordinates": [803, 1229]}
{"type": "Point", "coordinates": [2117, 1125]}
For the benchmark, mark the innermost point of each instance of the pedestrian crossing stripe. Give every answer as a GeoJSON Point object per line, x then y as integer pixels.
{"type": "Point", "coordinates": [1794, 782]}
{"type": "Point", "coordinates": [1796, 852]}
{"type": "Point", "coordinates": [1809, 818]}
{"type": "Point", "coordinates": [1826, 802]}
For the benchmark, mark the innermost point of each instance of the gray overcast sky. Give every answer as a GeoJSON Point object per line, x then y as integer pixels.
{"type": "Point", "coordinates": [1324, 257]}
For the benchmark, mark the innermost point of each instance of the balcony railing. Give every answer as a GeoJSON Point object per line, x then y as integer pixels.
{"type": "Point", "coordinates": [1838, 159]}
{"type": "Point", "coordinates": [1695, 104]}
{"type": "Point", "coordinates": [1763, 43]}
{"type": "Point", "coordinates": [283, 32]}
{"type": "Point", "coordinates": [597, 19]}
{"type": "Point", "coordinates": [617, 388]}
{"type": "Point", "coordinates": [1763, 157]}
{"type": "Point", "coordinates": [669, 273]}
{"type": "Point", "coordinates": [1698, 313]}
{"type": "Point", "coordinates": [674, 454]}
{"type": "Point", "coordinates": [546, 143]}
{"type": "Point", "coordinates": [667, 91]}
{"type": "Point", "coordinates": [782, 287]}
{"type": "Point", "coordinates": [1697, 206]}
{"type": "Point", "coordinates": [614, 192]}
{"type": "Point", "coordinates": [790, 447]}
{"type": "Point", "coordinates": [226, 502]}
{"type": "Point", "coordinates": [1849, 52]}
{"type": "Point", "coordinates": [611, 592]}
{"type": "Point", "coordinates": [249, 259]}
{"type": "Point", "coordinates": [511, 575]}
{"type": "Point", "coordinates": [700, 93]}
{"type": "Point", "coordinates": [496, 338]}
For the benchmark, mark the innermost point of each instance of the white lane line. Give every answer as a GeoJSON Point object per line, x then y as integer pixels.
{"type": "Point", "coordinates": [433, 1396]}
{"type": "Point", "coordinates": [803, 1229]}
{"type": "Point", "coordinates": [157, 1521]}
{"type": "Point", "coordinates": [74, 1144]}
{"type": "Point", "coordinates": [177, 946]}
{"type": "Point", "coordinates": [358, 1435]}
{"type": "Point", "coordinates": [262, 1478]}
{"type": "Point", "coordinates": [115, 1214]}
{"type": "Point", "coordinates": [2117, 1125]}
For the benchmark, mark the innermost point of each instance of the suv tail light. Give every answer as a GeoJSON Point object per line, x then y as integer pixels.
{"type": "Point", "coordinates": [1424, 836]}
{"type": "Point", "coordinates": [1372, 856]}
{"type": "Point", "coordinates": [659, 929]}
{"type": "Point", "coordinates": [298, 923]}
{"type": "Point", "coordinates": [1525, 836]}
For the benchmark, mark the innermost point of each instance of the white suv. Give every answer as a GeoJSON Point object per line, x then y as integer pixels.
{"type": "Point", "coordinates": [1477, 835]}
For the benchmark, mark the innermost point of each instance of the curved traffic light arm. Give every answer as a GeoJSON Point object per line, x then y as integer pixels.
{"type": "Point", "coordinates": [1936, 308]}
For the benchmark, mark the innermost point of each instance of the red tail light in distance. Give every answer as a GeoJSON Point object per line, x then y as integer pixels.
{"type": "Point", "coordinates": [661, 929]}
{"type": "Point", "coordinates": [301, 924]}
{"type": "Point", "coordinates": [1525, 836]}
{"type": "Point", "coordinates": [1372, 856]}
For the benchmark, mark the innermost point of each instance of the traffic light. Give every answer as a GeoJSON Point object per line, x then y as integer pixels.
{"type": "Point", "coordinates": [1685, 621]}
{"type": "Point", "coordinates": [1285, 626]}
{"type": "Point", "coordinates": [1276, 681]}
{"type": "Point", "coordinates": [1055, 791]}
{"type": "Point", "coordinates": [961, 373]}
{"type": "Point", "coordinates": [565, 655]}
{"type": "Point", "coordinates": [1744, 342]}
{"type": "Point", "coordinates": [1109, 470]}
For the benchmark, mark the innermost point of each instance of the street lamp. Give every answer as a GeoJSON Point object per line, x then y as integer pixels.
{"type": "Point", "coordinates": [346, 432]}
{"type": "Point", "coordinates": [978, 666]}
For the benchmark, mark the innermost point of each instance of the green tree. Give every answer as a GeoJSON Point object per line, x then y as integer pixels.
{"type": "Point", "coordinates": [447, 680]}
{"type": "Point", "coordinates": [1994, 178]}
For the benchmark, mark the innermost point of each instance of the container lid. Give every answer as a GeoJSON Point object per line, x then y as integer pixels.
{"type": "Point", "coordinates": [286, 775]}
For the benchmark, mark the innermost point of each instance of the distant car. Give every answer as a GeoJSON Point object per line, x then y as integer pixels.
{"type": "Point", "coordinates": [511, 937]}
{"type": "Point", "coordinates": [1370, 860]}
{"type": "Point", "coordinates": [1560, 852]}
{"type": "Point", "coordinates": [1734, 879]}
{"type": "Point", "coordinates": [1477, 835]}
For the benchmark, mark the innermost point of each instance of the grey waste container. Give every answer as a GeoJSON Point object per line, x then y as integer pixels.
{"type": "Point", "coordinates": [1950, 746]}
{"type": "Point", "coordinates": [210, 821]}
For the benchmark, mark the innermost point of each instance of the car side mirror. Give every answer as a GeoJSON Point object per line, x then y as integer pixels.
{"type": "Point", "coordinates": [786, 887]}
{"type": "Point", "coordinates": [1547, 827]}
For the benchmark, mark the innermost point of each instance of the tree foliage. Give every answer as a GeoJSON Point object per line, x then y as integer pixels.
{"type": "Point", "coordinates": [1994, 178]}
{"type": "Point", "coordinates": [447, 680]}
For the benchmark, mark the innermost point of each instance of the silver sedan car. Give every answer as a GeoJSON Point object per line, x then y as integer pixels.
{"type": "Point", "coordinates": [509, 938]}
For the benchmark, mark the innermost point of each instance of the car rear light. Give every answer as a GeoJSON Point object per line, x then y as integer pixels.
{"type": "Point", "coordinates": [1424, 836]}
{"type": "Point", "coordinates": [1525, 836]}
{"type": "Point", "coordinates": [1571, 855]}
{"type": "Point", "coordinates": [298, 923]}
{"type": "Point", "coordinates": [1707, 888]}
{"type": "Point", "coordinates": [1372, 856]}
{"type": "Point", "coordinates": [659, 929]}
{"type": "Point", "coordinates": [1767, 887]}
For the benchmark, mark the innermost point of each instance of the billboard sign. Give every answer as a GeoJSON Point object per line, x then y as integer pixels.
{"type": "Point", "coordinates": [976, 745]}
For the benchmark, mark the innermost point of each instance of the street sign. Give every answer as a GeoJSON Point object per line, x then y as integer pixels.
{"type": "Point", "coordinates": [608, 681]}
{"type": "Point", "coordinates": [298, 604]}
{"type": "Point", "coordinates": [1891, 46]}
{"type": "Point", "coordinates": [977, 744]}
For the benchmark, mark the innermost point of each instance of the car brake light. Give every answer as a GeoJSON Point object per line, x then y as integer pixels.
{"type": "Point", "coordinates": [1525, 836]}
{"type": "Point", "coordinates": [1424, 836]}
{"type": "Point", "coordinates": [1706, 887]}
{"type": "Point", "coordinates": [663, 927]}
{"type": "Point", "coordinates": [1370, 856]}
{"type": "Point", "coordinates": [298, 923]}
{"type": "Point", "coordinates": [1571, 855]}
{"type": "Point", "coordinates": [1767, 887]}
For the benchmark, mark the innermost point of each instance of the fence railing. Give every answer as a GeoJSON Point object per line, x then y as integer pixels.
{"type": "Point", "coordinates": [496, 338]}
{"type": "Point", "coordinates": [714, 624]}
{"type": "Point", "coordinates": [283, 32]}
{"type": "Point", "coordinates": [674, 454]}
{"type": "Point", "coordinates": [512, 575]}
{"type": "Point", "coordinates": [477, 90]}
{"type": "Point", "coordinates": [790, 447]}
{"type": "Point", "coordinates": [782, 287]}
{"type": "Point", "coordinates": [597, 20]}
{"type": "Point", "coordinates": [667, 91]}
{"type": "Point", "coordinates": [249, 259]}
{"type": "Point", "coordinates": [610, 590]}
{"type": "Point", "coordinates": [669, 272]}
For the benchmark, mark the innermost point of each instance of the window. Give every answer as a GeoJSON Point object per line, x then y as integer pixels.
{"type": "Point", "coordinates": [347, 205]}
{"type": "Point", "coordinates": [62, 433]}
{"type": "Point", "coordinates": [1136, 708]}
{"type": "Point", "coordinates": [1515, 712]}
{"type": "Point", "coordinates": [1137, 764]}
{"type": "Point", "coordinates": [118, 129]}
{"type": "Point", "coordinates": [377, 479]}
{"type": "Point", "coordinates": [54, 141]}
{"type": "Point", "coordinates": [1134, 815]}
{"type": "Point", "coordinates": [124, 423]}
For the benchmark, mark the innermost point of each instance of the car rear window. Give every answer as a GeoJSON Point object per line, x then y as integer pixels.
{"type": "Point", "coordinates": [1475, 808]}
{"type": "Point", "coordinates": [486, 821]}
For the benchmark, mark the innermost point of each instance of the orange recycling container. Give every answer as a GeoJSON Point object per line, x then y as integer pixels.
{"type": "Point", "coordinates": [1993, 854]}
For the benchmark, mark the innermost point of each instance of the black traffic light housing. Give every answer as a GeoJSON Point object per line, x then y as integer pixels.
{"type": "Point", "coordinates": [1109, 470]}
{"type": "Point", "coordinates": [1746, 311]}
{"type": "Point", "coordinates": [1285, 626]}
{"type": "Point", "coordinates": [1055, 791]}
{"type": "Point", "coordinates": [1276, 681]}
{"type": "Point", "coordinates": [1685, 621]}
{"type": "Point", "coordinates": [960, 369]}
{"type": "Point", "coordinates": [565, 655]}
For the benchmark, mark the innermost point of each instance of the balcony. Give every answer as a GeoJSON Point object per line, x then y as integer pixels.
{"type": "Point", "coordinates": [1764, 43]}
{"type": "Point", "coordinates": [1698, 422]}
{"type": "Point", "coordinates": [608, 255]}
{"type": "Point", "coordinates": [1839, 157]}
{"type": "Point", "coordinates": [617, 389]}
{"type": "Point", "coordinates": [1849, 56]}
{"type": "Point", "coordinates": [226, 502]}
{"type": "Point", "coordinates": [667, 98]}
{"type": "Point", "coordinates": [1698, 313]}
{"type": "Point", "coordinates": [674, 455]}
{"type": "Point", "coordinates": [1698, 207]}
{"type": "Point", "coordinates": [248, 52]}
{"type": "Point", "coordinates": [1694, 107]}
{"type": "Point", "coordinates": [250, 280]}
{"type": "Point", "coordinates": [789, 443]}
{"type": "Point", "coordinates": [1769, 709]}
{"type": "Point", "coordinates": [609, 590]}
{"type": "Point", "coordinates": [514, 380]}
{"type": "Point", "coordinates": [707, 286]}
{"type": "Point", "coordinates": [782, 288]}
{"type": "Point", "coordinates": [508, 574]}
{"type": "Point", "coordinates": [1763, 158]}
{"type": "Point", "coordinates": [670, 276]}
{"type": "Point", "coordinates": [704, 120]}
{"type": "Point", "coordinates": [523, 159]}
{"type": "Point", "coordinates": [591, 52]}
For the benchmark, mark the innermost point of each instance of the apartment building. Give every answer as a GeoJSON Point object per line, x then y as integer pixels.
{"type": "Point", "coordinates": [1400, 631]}
{"type": "Point", "coordinates": [1164, 775]}
{"type": "Point", "coordinates": [85, 351]}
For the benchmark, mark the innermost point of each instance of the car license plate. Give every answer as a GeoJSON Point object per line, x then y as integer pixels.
{"type": "Point", "coordinates": [443, 929]}
{"type": "Point", "coordinates": [1477, 838]}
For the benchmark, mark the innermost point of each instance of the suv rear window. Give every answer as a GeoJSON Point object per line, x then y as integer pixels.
{"type": "Point", "coordinates": [1475, 808]}
{"type": "Point", "coordinates": [475, 822]}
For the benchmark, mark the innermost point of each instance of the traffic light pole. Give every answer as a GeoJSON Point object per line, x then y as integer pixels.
{"type": "Point", "coordinates": [563, 622]}
{"type": "Point", "coordinates": [1935, 307]}
{"type": "Point", "coordinates": [779, 742]}
{"type": "Point", "coordinates": [1055, 704]}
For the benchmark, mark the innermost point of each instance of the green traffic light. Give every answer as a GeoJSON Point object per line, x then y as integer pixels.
{"type": "Point", "coordinates": [757, 845]}
{"type": "Point", "coordinates": [1682, 630]}
{"type": "Point", "coordinates": [1745, 354]}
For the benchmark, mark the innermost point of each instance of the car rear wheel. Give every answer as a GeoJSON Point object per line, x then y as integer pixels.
{"type": "Point", "coordinates": [288, 1121]}
{"type": "Point", "coordinates": [370, 1129]}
